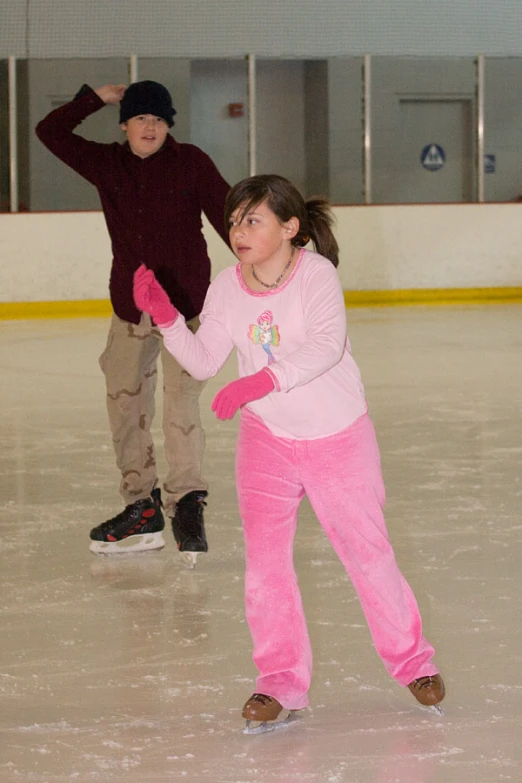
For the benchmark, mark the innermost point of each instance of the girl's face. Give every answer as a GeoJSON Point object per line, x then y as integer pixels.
{"type": "Point", "coordinates": [258, 236]}
{"type": "Point", "coordinates": [145, 134]}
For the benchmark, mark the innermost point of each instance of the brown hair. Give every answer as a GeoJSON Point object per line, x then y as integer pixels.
{"type": "Point", "coordinates": [314, 215]}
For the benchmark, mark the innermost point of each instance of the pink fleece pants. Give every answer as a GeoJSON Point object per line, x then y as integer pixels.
{"type": "Point", "coordinates": [341, 475]}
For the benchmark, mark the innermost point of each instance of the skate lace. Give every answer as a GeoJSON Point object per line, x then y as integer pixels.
{"type": "Point", "coordinates": [115, 521]}
{"type": "Point", "coordinates": [123, 518]}
{"type": "Point", "coordinates": [261, 698]}
{"type": "Point", "coordinates": [423, 682]}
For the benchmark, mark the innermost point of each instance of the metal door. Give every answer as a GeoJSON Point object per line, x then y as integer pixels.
{"type": "Point", "coordinates": [436, 151]}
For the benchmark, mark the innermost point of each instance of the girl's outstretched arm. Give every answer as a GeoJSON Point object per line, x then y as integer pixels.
{"type": "Point", "coordinates": [202, 354]}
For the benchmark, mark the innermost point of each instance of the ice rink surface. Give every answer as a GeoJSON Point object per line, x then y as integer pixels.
{"type": "Point", "coordinates": [135, 669]}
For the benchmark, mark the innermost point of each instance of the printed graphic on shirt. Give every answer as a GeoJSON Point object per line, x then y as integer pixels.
{"type": "Point", "coordinates": [264, 334]}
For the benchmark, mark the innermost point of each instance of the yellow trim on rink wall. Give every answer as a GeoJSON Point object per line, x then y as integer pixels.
{"type": "Point", "coordinates": [94, 308]}
{"type": "Point", "coordinates": [88, 308]}
{"type": "Point", "coordinates": [432, 296]}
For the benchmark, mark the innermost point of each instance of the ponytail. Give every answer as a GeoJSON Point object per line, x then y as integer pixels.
{"type": "Point", "coordinates": [319, 229]}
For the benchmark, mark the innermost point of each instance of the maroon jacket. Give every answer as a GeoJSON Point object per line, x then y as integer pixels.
{"type": "Point", "coordinates": [152, 206]}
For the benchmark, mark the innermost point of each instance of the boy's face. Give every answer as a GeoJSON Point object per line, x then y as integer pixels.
{"type": "Point", "coordinates": [145, 134]}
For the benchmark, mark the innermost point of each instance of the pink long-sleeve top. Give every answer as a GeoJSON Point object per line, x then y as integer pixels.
{"type": "Point", "coordinates": [297, 331]}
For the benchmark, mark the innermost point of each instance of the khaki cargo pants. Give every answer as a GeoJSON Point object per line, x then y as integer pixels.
{"type": "Point", "coordinates": [129, 364]}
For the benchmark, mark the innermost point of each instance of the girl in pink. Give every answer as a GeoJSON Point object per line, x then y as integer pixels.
{"type": "Point", "coordinates": [304, 428]}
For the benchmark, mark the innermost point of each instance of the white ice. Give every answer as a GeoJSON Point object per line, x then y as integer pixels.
{"type": "Point", "coordinates": [135, 668]}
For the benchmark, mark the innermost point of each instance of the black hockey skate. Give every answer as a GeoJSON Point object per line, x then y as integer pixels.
{"type": "Point", "coordinates": [138, 528]}
{"type": "Point", "coordinates": [188, 526]}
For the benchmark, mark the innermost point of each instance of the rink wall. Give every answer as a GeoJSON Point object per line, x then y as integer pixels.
{"type": "Point", "coordinates": [57, 264]}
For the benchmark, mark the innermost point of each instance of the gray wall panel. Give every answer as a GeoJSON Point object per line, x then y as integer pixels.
{"type": "Point", "coordinates": [53, 184]}
{"type": "Point", "coordinates": [316, 121]}
{"type": "Point", "coordinates": [214, 84]}
{"type": "Point", "coordinates": [280, 119]}
{"type": "Point", "coordinates": [503, 123]}
{"type": "Point", "coordinates": [345, 130]}
{"type": "Point", "coordinates": [224, 28]}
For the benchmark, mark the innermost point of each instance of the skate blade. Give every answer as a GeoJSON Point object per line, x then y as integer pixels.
{"type": "Point", "coordinates": [128, 546]}
{"type": "Point", "coordinates": [189, 559]}
{"type": "Point", "coordinates": [255, 727]}
{"type": "Point", "coordinates": [433, 708]}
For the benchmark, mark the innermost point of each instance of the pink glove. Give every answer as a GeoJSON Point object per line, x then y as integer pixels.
{"type": "Point", "coordinates": [151, 298]}
{"type": "Point", "coordinates": [238, 393]}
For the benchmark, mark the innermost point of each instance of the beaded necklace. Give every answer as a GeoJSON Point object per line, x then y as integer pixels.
{"type": "Point", "coordinates": [275, 284]}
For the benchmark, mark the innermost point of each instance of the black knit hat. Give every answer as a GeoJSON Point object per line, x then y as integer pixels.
{"type": "Point", "coordinates": [147, 98]}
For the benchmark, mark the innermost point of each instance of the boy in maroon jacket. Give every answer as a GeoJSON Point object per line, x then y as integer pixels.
{"type": "Point", "coordinates": [153, 191]}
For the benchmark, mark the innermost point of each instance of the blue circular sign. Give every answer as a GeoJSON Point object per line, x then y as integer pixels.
{"type": "Point", "coordinates": [433, 157]}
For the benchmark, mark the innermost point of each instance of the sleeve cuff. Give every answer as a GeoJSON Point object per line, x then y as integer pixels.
{"type": "Point", "coordinates": [274, 378]}
{"type": "Point", "coordinates": [84, 90]}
